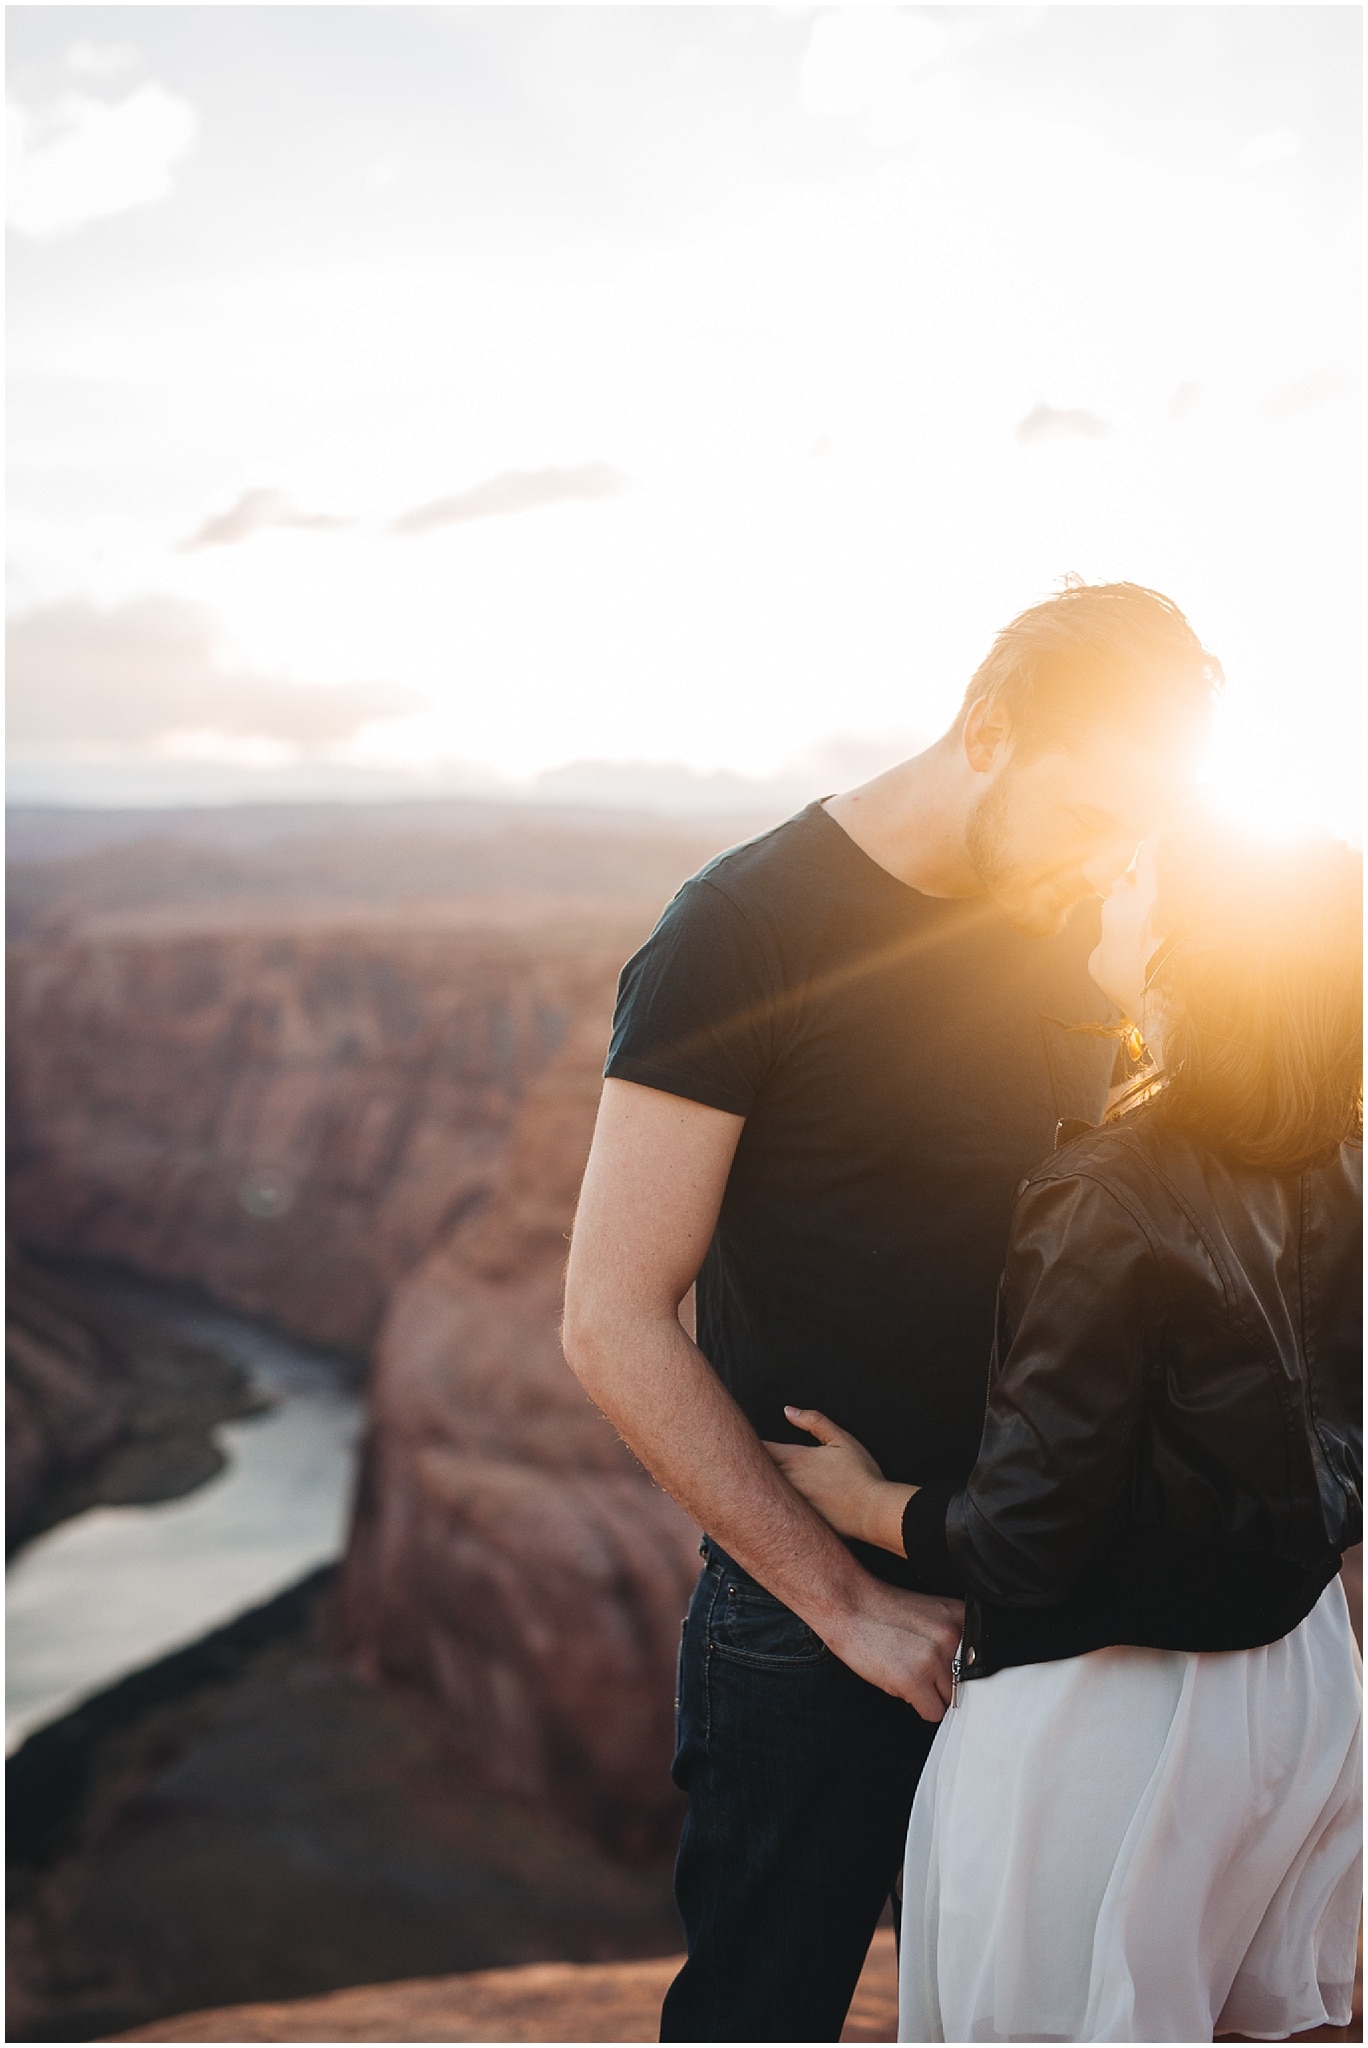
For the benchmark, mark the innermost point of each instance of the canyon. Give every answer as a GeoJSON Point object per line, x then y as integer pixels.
{"type": "Point", "coordinates": [100, 1409]}
{"type": "Point", "coordinates": [343, 1079]}
{"type": "Point", "coordinates": [347, 1084]}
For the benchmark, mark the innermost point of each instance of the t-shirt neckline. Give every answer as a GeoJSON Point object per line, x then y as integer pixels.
{"type": "Point", "coordinates": [867, 861]}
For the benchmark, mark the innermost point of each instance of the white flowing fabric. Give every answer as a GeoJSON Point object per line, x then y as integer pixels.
{"type": "Point", "coordinates": [1141, 1845]}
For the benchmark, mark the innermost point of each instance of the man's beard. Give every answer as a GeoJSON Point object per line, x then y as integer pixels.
{"type": "Point", "coordinates": [988, 842]}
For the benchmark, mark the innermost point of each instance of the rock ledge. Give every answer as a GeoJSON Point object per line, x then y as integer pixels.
{"type": "Point", "coordinates": [537, 2002]}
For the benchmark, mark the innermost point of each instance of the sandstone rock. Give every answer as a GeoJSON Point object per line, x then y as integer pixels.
{"type": "Point", "coordinates": [380, 1125]}
{"type": "Point", "coordinates": [290, 1118]}
{"type": "Point", "coordinates": [508, 1554]}
{"type": "Point", "coordinates": [68, 1391]}
{"type": "Point", "coordinates": [247, 1820]}
{"type": "Point", "coordinates": [103, 1408]}
{"type": "Point", "coordinates": [544, 2002]}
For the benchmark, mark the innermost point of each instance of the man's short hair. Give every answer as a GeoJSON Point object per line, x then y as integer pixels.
{"type": "Point", "coordinates": [1097, 654]}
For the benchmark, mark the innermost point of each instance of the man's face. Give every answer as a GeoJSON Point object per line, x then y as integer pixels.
{"type": "Point", "coordinates": [1049, 831]}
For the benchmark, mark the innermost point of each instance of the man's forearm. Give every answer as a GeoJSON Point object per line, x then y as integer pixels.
{"type": "Point", "coordinates": [700, 1447]}
{"type": "Point", "coordinates": [649, 1205]}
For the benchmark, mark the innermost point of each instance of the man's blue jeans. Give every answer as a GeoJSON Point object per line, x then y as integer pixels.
{"type": "Point", "coordinates": [800, 1779]}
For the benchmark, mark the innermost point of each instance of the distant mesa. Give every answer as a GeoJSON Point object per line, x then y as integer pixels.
{"type": "Point", "coordinates": [666, 787]}
{"type": "Point", "coordinates": [257, 512]}
{"type": "Point", "coordinates": [1050, 423]}
{"type": "Point", "coordinates": [515, 490]}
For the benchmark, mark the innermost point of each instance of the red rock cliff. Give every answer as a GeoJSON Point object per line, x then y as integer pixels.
{"type": "Point", "coordinates": [67, 1391]}
{"type": "Point", "coordinates": [508, 1554]}
{"type": "Point", "coordinates": [372, 1133]}
{"type": "Point", "coordinates": [289, 1118]}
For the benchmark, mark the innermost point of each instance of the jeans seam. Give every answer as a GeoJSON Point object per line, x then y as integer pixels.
{"type": "Point", "coordinates": [707, 1663]}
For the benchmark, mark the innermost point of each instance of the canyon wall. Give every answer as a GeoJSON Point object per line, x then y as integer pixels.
{"type": "Point", "coordinates": [68, 1392]}
{"type": "Point", "coordinates": [508, 1555]}
{"type": "Point", "coordinates": [367, 1124]}
{"type": "Point", "coordinates": [289, 1118]}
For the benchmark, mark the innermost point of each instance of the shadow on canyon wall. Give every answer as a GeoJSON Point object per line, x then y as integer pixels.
{"type": "Point", "coordinates": [248, 1819]}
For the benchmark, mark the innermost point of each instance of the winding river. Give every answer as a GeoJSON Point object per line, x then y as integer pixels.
{"type": "Point", "coordinates": [114, 1588]}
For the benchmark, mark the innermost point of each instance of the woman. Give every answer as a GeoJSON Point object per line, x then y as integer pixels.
{"type": "Point", "coordinates": [1119, 1835]}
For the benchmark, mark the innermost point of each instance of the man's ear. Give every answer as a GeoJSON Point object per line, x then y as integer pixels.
{"type": "Point", "coordinates": [987, 735]}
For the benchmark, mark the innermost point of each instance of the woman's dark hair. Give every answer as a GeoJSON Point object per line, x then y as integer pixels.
{"type": "Point", "coordinates": [1097, 654]}
{"type": "Point", "coordinates": [1261, 984]}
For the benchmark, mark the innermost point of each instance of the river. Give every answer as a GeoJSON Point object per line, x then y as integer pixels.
{"type": "Point", "coordinates": [117, 1587]}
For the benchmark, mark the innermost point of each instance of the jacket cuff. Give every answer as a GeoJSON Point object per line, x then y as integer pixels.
{"type": "Point", "coordinates": [923, 1534]}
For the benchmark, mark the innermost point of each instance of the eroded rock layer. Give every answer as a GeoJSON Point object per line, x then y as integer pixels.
{"type": "Point", "coordinates": [289, 1118]}
{"type": "Point", "coordinates": [371, 1131]}
{"type": "Point", "coordinates": [508, 1554]}
{"type": "Point", "coordinates": [68, 1392]}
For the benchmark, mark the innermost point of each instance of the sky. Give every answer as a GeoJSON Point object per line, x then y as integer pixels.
{"type": "Point", "coordinates": [517, 399]}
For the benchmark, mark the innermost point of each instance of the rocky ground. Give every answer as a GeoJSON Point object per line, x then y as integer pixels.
{"type": "Point", "coordinates": [542, 2002]}
{"type": "Point", "coordinates": [250, 1821]}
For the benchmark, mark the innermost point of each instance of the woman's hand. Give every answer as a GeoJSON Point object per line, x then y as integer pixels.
{"type": "Point", "coordinates": [843, 1482]}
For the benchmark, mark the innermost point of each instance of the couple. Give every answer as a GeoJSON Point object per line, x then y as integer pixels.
{"type": "Point", "coordinates": [1092, 1645]}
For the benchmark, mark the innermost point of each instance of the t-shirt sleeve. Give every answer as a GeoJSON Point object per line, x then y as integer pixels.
{"type": "Point", "coordinates": [696, 1005]}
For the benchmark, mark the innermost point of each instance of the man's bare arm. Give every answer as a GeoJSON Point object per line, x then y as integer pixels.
{"type": "Point", "coordinates": [651, 1195]}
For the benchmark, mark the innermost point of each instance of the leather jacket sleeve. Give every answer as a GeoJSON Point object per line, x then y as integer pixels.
{"type": "Point", "coordinates": [1079, 1320]}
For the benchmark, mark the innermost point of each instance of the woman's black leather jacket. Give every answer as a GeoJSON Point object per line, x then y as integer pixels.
{"type": "Point", "coordinates": [1172, 1451]}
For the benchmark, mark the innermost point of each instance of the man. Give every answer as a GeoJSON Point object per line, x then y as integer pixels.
{"type": "Point", "coordinates": [833, 1061]}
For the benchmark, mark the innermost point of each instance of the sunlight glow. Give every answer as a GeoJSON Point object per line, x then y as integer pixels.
{"type": "Point", "coordinates": [860, 394]}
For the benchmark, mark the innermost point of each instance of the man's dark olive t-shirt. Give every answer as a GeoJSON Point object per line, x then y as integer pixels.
{"type": "Point", "coordinates": [901, 1062]}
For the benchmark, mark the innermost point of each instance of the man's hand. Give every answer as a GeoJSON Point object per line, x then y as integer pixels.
{"type": "Point", "coordinates": [903, 1643]}
{"type": "Point", "coordinates": [652, 1191]}
{"type": "Point", "coordinates": [842, 1481]}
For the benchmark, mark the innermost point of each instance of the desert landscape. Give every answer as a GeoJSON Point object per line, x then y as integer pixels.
{"type": "Point", "coordinates": [337, 1073]}
{"type": "Point", "coordinates": [343, 1081]}
{"type": "Point", "coordinates": [469, 465]}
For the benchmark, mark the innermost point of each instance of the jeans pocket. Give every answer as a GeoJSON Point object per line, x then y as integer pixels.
{"type": "Point", "coordinates": [750, 1626]}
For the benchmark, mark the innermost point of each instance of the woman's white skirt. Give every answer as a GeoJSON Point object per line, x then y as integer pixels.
{"type": "Point", "coordinates": [1141, 1845]}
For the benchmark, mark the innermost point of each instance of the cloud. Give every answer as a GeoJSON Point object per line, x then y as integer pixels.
{"type": "Point", "coordinates": [858, 57]}
{"type": "Point", "coordinates": [87, 159]}
{"type": "Point", "coordinates": [1049, 423]}
{"type": "Point", "coordinates": [85, 681]}
{"type": "Point", "coordinates": [900, 71]}
{"type": "Point", "coordinates": [1302, 396]}
{"type": "Point", "coordinates": [1183, 401]}
{"type": "Point", "coordinates": [102, 60]}
{"type": "Point", "coordinates": [1273, 146]}
{"type": "Point", "coordinates": [516, 490]}
{"type": "Point", "coordinates": [255, 512]}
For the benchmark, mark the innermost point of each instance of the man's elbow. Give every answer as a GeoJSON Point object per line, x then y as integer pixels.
{"type": "Point", "coordinates": [586, 1336]}
{"type": "Point", "coordinates": [577, 1340]}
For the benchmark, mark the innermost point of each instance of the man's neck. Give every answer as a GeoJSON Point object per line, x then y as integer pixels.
{"type": "Point", "coordinates": [909, 820]}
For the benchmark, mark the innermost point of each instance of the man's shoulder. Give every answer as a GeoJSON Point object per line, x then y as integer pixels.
{"type": "Point", "coordinates": [775, 873]}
